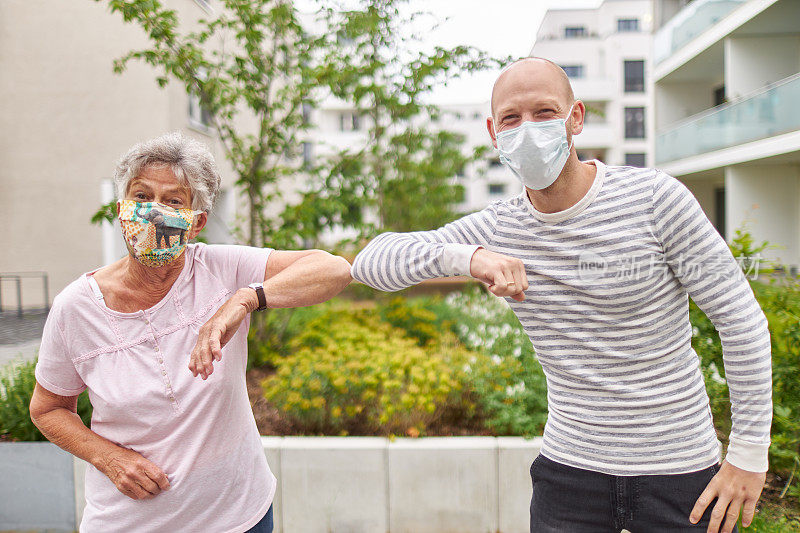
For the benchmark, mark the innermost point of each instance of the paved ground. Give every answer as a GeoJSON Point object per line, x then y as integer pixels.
{"type": "Point", "coordinates": [20, 336]}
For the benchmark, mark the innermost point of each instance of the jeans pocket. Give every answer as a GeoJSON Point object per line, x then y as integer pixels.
{"type": "Point", "coordinates": [535, 464]}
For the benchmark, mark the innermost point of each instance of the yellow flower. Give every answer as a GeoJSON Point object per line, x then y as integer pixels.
{"type": "Point", "coordinates": [318, 402]}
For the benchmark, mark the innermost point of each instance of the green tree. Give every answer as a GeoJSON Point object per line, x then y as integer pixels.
{"type": "Point", "coordinates": [400, 178]}
{"type": "Point", "coordinates": [249, 65]}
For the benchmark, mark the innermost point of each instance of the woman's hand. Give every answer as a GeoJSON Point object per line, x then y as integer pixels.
{"type": "Point", "coordinates": [134, 476]}
{"type": "Point", "coordinates": [218, 330]}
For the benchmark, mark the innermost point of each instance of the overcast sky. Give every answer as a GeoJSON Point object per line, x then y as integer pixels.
{"type": "Point", "coordinates": [500, 27]}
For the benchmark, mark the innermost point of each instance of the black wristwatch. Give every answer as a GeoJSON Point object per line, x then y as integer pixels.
{"type": "Point", "coordinates": [262, 299]}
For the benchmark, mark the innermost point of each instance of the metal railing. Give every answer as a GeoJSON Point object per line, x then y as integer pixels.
{"type": "Point", "coordinates": [17, 277]}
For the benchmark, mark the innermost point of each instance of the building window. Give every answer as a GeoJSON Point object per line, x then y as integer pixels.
{"type": "Point", "coordinates": [199, 117]}
{"type": "Point", "coordinates": [635, 160]}
{"type": "Point", "coordinates": [573, 71]}
{"type": "Point", "coordinates": [307, 154]}
{"type": "Point", "coordinates": [348, 121]}
{"type": "Point", "coordinates": [626, 25]}
{"type": "Point", "coordinates": [634, 123]}
{"type": "Point", "coordinates": [634, 76]}
{"type": "Point", "coordinates": [719, 210]}
{"type": "Point", "coordinates": [496, 189]}
{"type": "Point", "coordinates": [719, 95]}
{"type": "Point", "coordinates": [571, 32]}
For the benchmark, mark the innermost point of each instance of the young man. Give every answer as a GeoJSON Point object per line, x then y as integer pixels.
{"type": "Point", "coordinates": [598, 263]}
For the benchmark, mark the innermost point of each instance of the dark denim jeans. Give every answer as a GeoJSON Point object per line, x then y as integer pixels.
{"type": "Point", "coordinates": [572, 500]}
{"type": "Point", "coordinates": [264, 525]}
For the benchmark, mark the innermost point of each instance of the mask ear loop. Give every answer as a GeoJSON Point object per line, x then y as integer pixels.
{"type": "Point", "coordinates": [571, 108]}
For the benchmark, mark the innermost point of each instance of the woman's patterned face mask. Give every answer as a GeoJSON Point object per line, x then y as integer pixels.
{"type": "Point", "coordinates": [155, 234]}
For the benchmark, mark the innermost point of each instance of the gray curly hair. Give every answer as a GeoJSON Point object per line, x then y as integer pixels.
{"type": "Point", "coordinates": [190, 160]}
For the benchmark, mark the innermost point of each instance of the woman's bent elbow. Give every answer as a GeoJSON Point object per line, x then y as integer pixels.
{"type": "Point", "coordinates": [343, 270]}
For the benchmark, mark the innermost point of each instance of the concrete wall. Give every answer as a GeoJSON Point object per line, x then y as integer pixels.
{"type": "Point", "coordinates": [436, 485]}
{"type": "Point", "coordinates": [36, 488]}
{"type": "Point", "coordinates": [326, 485]}
{"type": "Point", "coordinates": [68, 118]}
{"type": "Point", "coordinates": [751, 62]}
{"type": "Point", "coordinates": [766, 198]}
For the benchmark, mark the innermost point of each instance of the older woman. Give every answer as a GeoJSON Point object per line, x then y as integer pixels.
{"type": "Point", "coordinates": [159, 339]}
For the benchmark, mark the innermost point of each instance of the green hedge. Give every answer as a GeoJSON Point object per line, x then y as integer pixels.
{"type": "Point", "coordinates": [781, 304]}
{"type": "Point", "coordinates": [351, 373]}
{"type": "Point", "coordinates": [16, 389]}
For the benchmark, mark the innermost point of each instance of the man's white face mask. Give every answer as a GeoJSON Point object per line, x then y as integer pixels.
{"type": "Point", "coordinates": [536, 152]}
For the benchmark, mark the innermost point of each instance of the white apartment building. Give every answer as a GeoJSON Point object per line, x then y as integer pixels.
{"type": "Point", "coordinates": [727, 86]}
{"type": "Point", "coordinates": [606, 52]}
{"type": "Point", "coordinates": [485, 180]}
{"type": "Point", "coordinates": [67, 119]}
{"type": "Point", "coordinates": [338, 126]}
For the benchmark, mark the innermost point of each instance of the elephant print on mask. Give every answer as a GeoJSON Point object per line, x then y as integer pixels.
{"type": "Point", "coordinates": [149, 228]}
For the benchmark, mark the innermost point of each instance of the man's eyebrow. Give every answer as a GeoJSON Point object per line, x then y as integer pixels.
{"type": "Point", "coordinates": [543, 103]}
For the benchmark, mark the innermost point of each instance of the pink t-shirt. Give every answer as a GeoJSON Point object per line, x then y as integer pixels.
{"type": "Point", "coordinates": [200, 433]}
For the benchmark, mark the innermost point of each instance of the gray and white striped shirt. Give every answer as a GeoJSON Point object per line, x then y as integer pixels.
{"type": "Point", "coordinates": [607, 313]}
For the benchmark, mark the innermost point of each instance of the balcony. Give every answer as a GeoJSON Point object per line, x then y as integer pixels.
{"type": "Point", "coordinates": [689, 23]}
{"type": "Point", "coordinates": [595, 135]}
{"type": "Point", "coordinates": [593, 89]}
{"type": "Point", "coordinates": [771, 111]}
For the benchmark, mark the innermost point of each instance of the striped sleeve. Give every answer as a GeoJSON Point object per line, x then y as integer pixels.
{"type": "Point", "coordinates": [705, 267]}
{"type": "Point", "coordinates": [394, 261]}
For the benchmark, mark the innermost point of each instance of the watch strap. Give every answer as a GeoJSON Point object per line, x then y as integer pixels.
{"type": "Point", "coordinates": [262, 298]}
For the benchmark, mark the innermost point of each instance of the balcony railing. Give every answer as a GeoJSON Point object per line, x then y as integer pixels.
{"type": "Point", "coordinates": [690, 22]}
{"type": "Point", "coordinates": [771, 111]}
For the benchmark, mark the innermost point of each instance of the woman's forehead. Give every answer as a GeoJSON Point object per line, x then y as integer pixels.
{"type": "Point", "coordinates": [160, 177]}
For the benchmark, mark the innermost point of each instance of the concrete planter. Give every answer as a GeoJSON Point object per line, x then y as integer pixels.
{"type": "Point", "coordinates": [375, 485]}
{"type": "Point", "coordinates": [325, 485]}
{"type": "Point", "coordinates": [37, 488]}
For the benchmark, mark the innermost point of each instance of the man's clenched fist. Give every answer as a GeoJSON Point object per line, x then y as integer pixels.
{"type": "Point", "coordinates": [504, 275]}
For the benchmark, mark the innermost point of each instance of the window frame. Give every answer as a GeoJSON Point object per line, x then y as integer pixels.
{"type": "Point", "coordinates": [575, 32]}
{"type": "Point", "coordinates": [580, 71]}
{"type": "Point", "coordinates": [635, 85]}
{"type": "Point", "coordinates": [630, 133]}
{"type": "Point", "coordinates": [620, 29]}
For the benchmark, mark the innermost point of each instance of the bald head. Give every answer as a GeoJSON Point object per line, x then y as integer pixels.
{"type": "Point", "coordinates": [535, 74]}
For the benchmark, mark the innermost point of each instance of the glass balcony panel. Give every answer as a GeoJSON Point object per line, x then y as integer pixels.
{"type": "Point", "coordinates": [688, 23]}
{"type": "Point", "coordinates": [772, 111]}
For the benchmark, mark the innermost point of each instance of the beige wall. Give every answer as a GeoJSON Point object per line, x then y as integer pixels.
{"type": "Point", "coordinates": [67, 118]}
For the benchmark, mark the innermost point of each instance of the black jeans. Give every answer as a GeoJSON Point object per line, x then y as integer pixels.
{"type": "Point", "coordinates": [572, 500]}
{"type": "Point", "coordinates": [264, 525]}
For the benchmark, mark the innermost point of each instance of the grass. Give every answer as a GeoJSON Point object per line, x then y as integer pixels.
{"type": "Point", "coordinates": [773, 518]}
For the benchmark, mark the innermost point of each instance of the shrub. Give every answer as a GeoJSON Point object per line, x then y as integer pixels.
{"type": "Point", "coordinates": [509, 382]}
{"type": "Point", "coordinates": [781, 305]}
{"type": "Point", "coordinates": [413, 317]}
{"type": "Point", "coordinates": [271, 331]}
{"type": "Point", "coordinates": [16, 389]}
{"type": "Point", "coordinates": [351, 373]}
